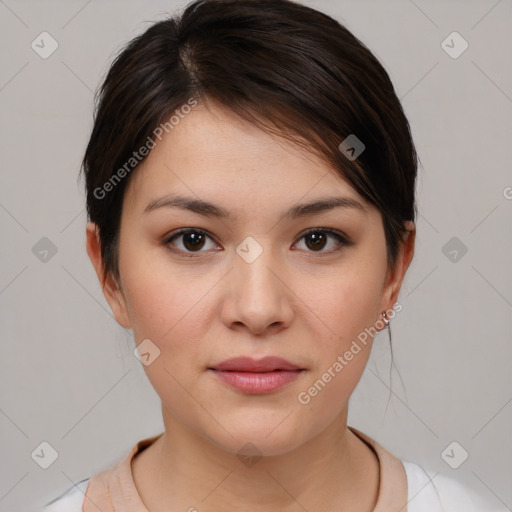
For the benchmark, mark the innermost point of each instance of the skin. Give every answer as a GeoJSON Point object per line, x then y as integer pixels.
{"type": "Point", "coordinates": [299, 301]}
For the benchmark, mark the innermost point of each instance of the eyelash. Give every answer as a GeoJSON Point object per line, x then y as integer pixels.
{"type": "Point", "coordinates": [340, 237]}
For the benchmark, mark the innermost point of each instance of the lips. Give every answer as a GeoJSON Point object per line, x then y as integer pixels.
{"type": "Point", "coordinates": [256, 376]}
{"type": "Point", "coordinates": [248, 364]}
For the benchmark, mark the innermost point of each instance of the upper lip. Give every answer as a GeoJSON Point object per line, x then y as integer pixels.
{"type": "Point", "coordinates": [248, 364]}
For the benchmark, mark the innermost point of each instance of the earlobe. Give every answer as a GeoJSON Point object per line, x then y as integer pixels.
{"type": "Point", "coordinates": [110, 288]}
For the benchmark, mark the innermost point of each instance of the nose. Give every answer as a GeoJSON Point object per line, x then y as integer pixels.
{"type": "Point", "coordinates": [257, 297]}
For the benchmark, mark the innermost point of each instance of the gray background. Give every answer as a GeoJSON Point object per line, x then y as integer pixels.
{"type": "Point", "coordinates": [68, 374]}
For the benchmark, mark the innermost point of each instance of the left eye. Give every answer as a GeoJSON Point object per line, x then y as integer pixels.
{"type": "Point", "coordinates": [319, 237]}
{"type": "Point", "coordinates": [193, 240]}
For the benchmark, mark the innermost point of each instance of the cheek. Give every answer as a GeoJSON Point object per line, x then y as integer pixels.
{"type": "Point", "coordinates": [346, 302]}
{"type": "Point", "coordinates": [348, 307]}
{"type": "Point", "coordinates": [166, 307]}
{"type": "Point", "coordinates": [172, 310]}
{"type": "Point", "coordinates": [157, 293]}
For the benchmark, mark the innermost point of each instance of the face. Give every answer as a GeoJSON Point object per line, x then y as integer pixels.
{"type": "Point", "coordinates": [255, 282]}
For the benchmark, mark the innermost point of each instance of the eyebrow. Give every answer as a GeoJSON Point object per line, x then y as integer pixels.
{"type": "Point", "coordinates": [208, 209]}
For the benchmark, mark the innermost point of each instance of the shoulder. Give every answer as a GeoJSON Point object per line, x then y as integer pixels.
{"type": "Point", "coordinates": [70, 501]}
{"type": "Point", "coordinates": [441, 493]}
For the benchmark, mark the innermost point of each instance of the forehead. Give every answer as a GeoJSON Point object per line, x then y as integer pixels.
{"type": "Point", "coordinates": [213, 153]}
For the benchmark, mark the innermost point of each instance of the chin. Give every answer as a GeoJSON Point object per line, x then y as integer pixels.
{"type": "Point", "coordinates": [255, 439]}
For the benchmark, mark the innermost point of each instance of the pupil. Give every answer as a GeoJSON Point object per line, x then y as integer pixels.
{"type": "Point", "coordinates": [193, 240]}
{"type": "Point", "coordinates": [318, 240]}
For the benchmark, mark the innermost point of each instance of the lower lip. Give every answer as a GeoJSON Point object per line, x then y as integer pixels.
{"type": "Point", "coordinates": [257, 383]}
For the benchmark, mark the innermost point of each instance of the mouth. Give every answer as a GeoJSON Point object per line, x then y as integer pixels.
{"type": "Point", "coordinates": [252, 376]}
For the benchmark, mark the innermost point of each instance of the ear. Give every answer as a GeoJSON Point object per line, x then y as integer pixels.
{"type": "Point", "coordinates": [111, 290]}
{"type": "Point", "coordinates": [395, 274]}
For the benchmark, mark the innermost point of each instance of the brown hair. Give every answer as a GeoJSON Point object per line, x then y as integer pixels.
{"type": "Point", "coordinates": [287, 68]}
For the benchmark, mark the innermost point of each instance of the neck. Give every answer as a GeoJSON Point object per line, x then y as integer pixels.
{"type": "Point", "coordinates": [183, 471]}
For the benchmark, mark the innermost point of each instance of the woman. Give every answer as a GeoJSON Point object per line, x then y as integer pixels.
{"type": "Point", "coordinates": [250, 189]}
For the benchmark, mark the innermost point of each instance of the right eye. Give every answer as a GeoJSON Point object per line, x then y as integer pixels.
{"type": "Point", "coordinates": [191, 240]}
